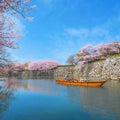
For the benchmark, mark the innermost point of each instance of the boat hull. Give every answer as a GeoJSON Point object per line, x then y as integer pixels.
{"type": "Point", "coordinates": [81, 83]}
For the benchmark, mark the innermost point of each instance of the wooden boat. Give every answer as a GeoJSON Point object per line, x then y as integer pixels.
{"type": "Point", "coordinates": [81, 83]}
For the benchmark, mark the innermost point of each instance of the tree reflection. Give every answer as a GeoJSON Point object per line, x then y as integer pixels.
{"type": "Point", "coordinates": [46, 86]}
{"type": "Point", "coordinates": [5, 95]}
{"type": "Point", "coordinates": [14, 84]}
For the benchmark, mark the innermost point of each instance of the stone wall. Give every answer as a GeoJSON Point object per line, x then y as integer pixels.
{"type": "Point", "coordinates": [111, 68]}
{"type": "Point", "coordinates": [61, 70]}
{"type": "Point", "coordinates": [108, 69]}
{"type": "Point", "coordinates": [34, 74]}
{"type": "Point", "coordinates": [58, 72]}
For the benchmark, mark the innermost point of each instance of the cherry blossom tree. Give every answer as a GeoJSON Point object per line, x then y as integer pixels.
{"type": "Point", "coordinates": [91, 53]}
{"type": "Point", "coordinates": [4, 60]}
{"type": "Point", "coordinates": [10, 8]}
{"type": "Point", "coordinates": [16, 7]}
{"type": "Point", "coordinates": [42, 65]}
{"type": "Point", "coordinates": [13, 67]}
{"type": "Point", "coordinates": [8, 34]}
{"type": "Point", "coordinates": [8, 37]}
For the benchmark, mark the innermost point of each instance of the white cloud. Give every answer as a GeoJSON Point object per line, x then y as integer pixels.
{"type": "Point", "coordinates": [108, 32]}
{"type": "Point", "coordinates": [73, 39]}
{"type": "Point", "coordinates": [94, 35]}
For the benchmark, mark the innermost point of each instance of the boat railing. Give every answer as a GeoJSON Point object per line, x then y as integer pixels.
{"type": "Point", "coordinates": [91, 78]}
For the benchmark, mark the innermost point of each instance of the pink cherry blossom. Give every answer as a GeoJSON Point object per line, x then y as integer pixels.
{"type": "Point", "coordinates": [42, 65]}
{"type": "Point", "coordinates": [91, 53]}
{"type": "Point", "coordinates": [16, 66]}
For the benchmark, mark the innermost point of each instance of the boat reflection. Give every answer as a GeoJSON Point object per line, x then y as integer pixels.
{"type": "Point", "coordinates": [100, 101]}
{"type": "Point", "coordinates": [105, 100]}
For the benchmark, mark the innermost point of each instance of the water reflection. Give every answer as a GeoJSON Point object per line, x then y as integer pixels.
{"type": "Point", "coordinates": [5, 95]}
{"type": "Point", "coordinates": [14, 84]}
{"type": "Point", "coordinates": [103, 102]}
{"type": "Point", "coordinates": [43, 86]}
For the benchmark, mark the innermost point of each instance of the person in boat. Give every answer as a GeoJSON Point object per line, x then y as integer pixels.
{"type": "Point", "coordinates": [67, 76]}
{"type": "Point", "coordinates": [85, 80]}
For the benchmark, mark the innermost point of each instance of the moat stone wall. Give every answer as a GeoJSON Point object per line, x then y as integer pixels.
{"type": "Point", "coordinates": [61, 70]}
{"type": "Point", "coordinates": [34, 74]}
{"type": "Point", "coordinates": [58, 72]}
{"type": "Point", "coordinates": [108, 69]}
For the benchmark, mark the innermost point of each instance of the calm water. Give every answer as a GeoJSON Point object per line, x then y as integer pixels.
{"type": "Point", "coordinates": [45, 100]}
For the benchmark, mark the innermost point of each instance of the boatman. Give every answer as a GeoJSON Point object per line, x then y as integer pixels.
{"type": "Point", "coordinates": [67, 76]}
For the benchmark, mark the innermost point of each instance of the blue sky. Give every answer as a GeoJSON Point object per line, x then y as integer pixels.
{"type": "Point", "coordinates": [61, 27]}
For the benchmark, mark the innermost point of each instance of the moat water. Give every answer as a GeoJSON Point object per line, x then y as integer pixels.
{"type": "Point", "coordinates": [43, 99]}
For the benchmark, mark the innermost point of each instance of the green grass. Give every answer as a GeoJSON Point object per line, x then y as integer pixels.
{"type": "Point", "coordinates": [111, 56]}
{"type": "Point", "coordinates": [114, 56]}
